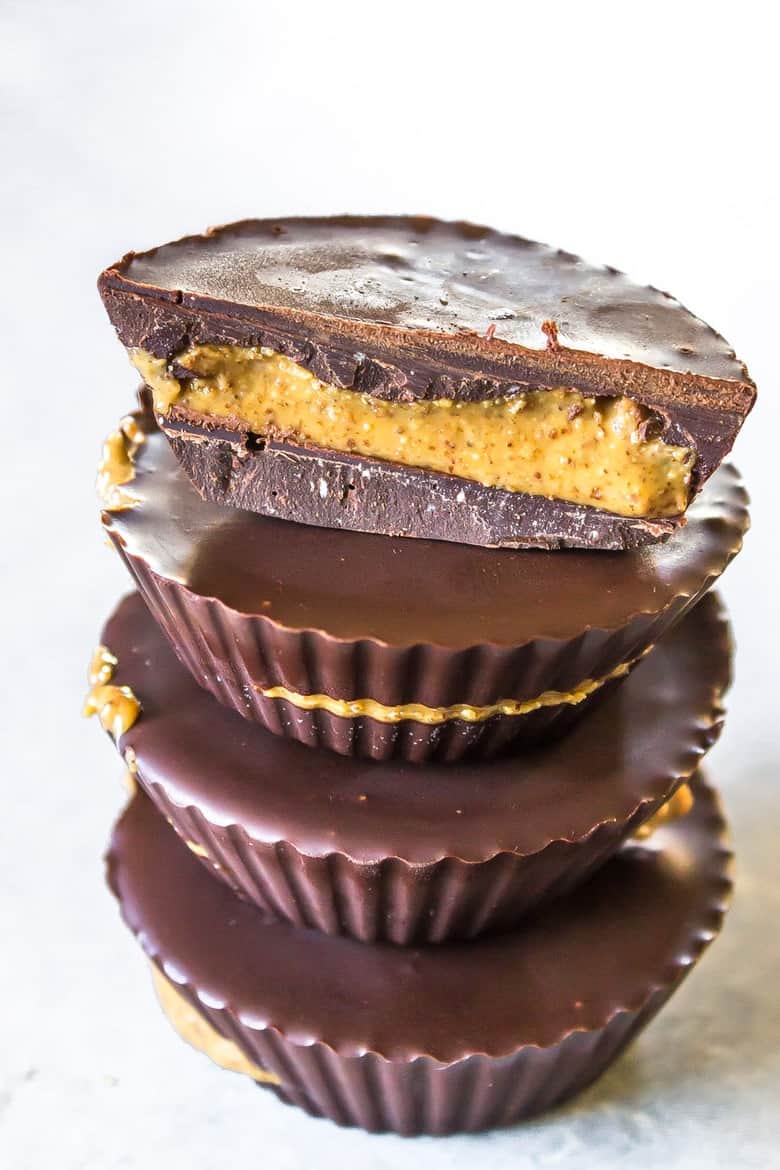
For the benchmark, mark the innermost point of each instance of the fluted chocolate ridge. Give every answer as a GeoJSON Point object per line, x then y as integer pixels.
{"type": "Point", "coordinates": [252, 604]}
{"type": "Point", "coordinates": [432, 1039]}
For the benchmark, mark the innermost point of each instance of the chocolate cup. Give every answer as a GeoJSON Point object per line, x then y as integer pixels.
{"type": "Point", "coordinates": [439, 1039]}
{"type": "Point", "coordinates": [251, 603]}
{"type": "Point", "coordinates": [407, 855]}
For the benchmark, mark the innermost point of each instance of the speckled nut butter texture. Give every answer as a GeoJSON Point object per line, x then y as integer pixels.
{"type": "Point", "coordinates": [436, 1039]}
{"type": "Point", "coordinates": [390, 851]}
{"type": "Point", "coordinates": [554, 442]}
{"type": "Point", "coordinates": [268, 615]}
{"type": "Point", "coordinates": [405, 316]}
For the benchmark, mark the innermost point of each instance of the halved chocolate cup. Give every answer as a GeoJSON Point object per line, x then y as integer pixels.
{"type": "Point", "coordinates": [394, 852]}
{"type": "Point", "coordinates": [408, 376]}
{"type": "Point", "coordinates": [390, 648]}
{"type": "Point", "coordinates": [435, 1040]}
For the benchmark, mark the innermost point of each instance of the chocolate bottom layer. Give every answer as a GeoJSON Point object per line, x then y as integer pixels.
{"type": "Point", "coordinates": [331, 489]}
{"type": "Point", "coordinates": [391, 851]}
{"type": "Point", "coordinates": [437, 1039]}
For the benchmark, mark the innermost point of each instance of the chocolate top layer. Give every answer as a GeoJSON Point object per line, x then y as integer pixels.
{"type": "Point", "coordinates": [632, 750]}
{"type": "Point", "coordinates": [636, 926]}
{"type": "Point", "coordinates": [422, 275]}
{"type": "Point", "coordinates": [401, 591]}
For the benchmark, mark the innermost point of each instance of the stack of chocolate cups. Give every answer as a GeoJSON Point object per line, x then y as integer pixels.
{"type": "Point", "coordinates": [417, 838]}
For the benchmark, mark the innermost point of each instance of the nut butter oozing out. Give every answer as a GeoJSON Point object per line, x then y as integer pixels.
{"type": "Point", "coordinates": [115, 469]}
{"type": "Point", "coordinates": [198, 1032]}
{"type": "Point", "coordinates": [556, 442]}
{"type": "Point", "coordinates": [420, 713]}
{"type": "Point", "coordinates": [677, 806]}
{"type": "Point", "coordinates": [116, 707]}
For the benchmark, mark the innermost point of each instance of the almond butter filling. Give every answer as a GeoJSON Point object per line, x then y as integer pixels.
{"type": "Point", "coordinates": [116, 707]}
{"type": "Point", "coordinates": [420, 713]}
{"type": "Point", "coordinates": [196, 1031]}
{"type": "Point", "coordinates": [115, 469]}
{"type": "Point", "coordinates": [677, 806]}
{"type": "Point", "coordinates": [557, 443]}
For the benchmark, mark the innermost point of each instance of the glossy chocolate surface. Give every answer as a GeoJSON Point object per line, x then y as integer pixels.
{"type": "Point", "coordinates": [425, 276]}
{"type": "Point", "coordinates": [632, 750]}
{"type": "Point", "coordinates": [358, 586]}
{"type": "Point", "coordinates": [633, 928]}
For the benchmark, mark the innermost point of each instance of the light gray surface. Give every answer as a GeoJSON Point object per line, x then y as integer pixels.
{"type": "Point", "coordinates": [124, 125]}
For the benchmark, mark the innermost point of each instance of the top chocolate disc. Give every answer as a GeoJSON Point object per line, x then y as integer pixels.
{"type": "Point", "coordinates": [428, 277]}
{"type": "Point", "coordinates": [302, 365]}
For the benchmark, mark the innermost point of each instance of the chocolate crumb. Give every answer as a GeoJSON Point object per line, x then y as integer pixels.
{"type": "Point", "coordinates": [550, 330]}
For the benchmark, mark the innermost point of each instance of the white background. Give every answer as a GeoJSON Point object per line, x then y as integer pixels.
{"type": "Point", "coordinates": [643, 135]}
